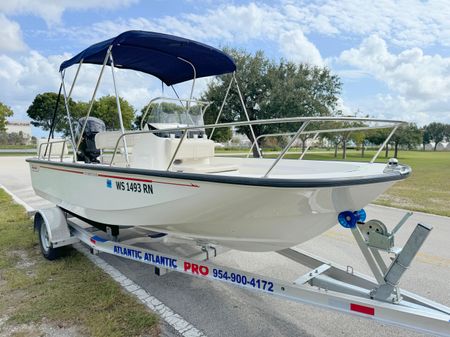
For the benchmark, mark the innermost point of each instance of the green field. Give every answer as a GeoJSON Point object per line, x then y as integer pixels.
{"type": "Point", "coordinates": [16, 154]}
{"type": "Point", "coordinates": [30, 146]}
{"type": "Point", "coordinates": [426, 190]}
{"type": "Point", "coordinates": [70, 292]}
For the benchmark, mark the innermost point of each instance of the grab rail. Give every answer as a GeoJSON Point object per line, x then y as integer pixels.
{"type": "Point", "coordinates": [304, 120]}
{"type": "Point", "coordinates": [50, 150]}
{"type": "Point", "coordinates": [317, 132]}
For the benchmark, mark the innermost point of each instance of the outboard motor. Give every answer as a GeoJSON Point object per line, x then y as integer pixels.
{"type": "Point", "coordinates": [87, 151]}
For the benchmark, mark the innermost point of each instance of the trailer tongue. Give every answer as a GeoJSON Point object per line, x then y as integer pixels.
{"type": "Point", "coordinates": [326, 284]}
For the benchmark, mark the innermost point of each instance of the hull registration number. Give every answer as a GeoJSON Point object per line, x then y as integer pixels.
{"type": "Point", "coordinates": [127, 186]}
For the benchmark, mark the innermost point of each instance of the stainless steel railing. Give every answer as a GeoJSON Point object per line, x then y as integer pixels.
{"type": "Point", "coordinates": [49, 147]}
{"type": "Point", "coordinates": [305, 121]}
{"type": "Point", "coordinates": [317, 132]}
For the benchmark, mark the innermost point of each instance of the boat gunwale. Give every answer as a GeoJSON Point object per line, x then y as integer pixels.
{"type": "Point", "coordinates": [234, 180]}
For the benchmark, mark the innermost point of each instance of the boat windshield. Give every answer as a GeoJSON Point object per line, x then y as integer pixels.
{"type": "Point", "coordinates": [173, 114]}
{"type": "Point", "coordinates": [166, 115]}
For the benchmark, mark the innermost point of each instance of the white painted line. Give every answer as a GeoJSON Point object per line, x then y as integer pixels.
{"type": "Point", "coordinates": [173, 319]}
{"type": "Point", "coordinates": [182, 326]}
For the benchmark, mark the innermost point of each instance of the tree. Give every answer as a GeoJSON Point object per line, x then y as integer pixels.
{"type": "Point", "coordinates": [408, 135]}
{"type": "Point", "coordinates": [359, 137]}
{"type": "Point", "coordinates": [345, 137]}
{"type": "Point", "coordinates": [13, 138]}
{"type": "Point", "coordinates": [333, 137]}
{"type": "Point", "coordinates": [435, 132]}
{"type": "Point", "coordinates": [167, 112]}
{"type": "Point", "coordinates": [426, 137]}
{"type": "Point", "coordinates": [377, 137]}
{"type": "Point", "coordinates": [253, 81]}
{"type": "Point", "coordinates": [42, 109]}
{"type": "Point", "coordinates": [272, 90]}
{"type": "Point", "coordinates": [447, 132]}
{"type": "Point", "coordinates": [5, 112]}
{"type": "Point", "coordinates": [155, 110]}
{"type": "Point", "coordinates": [105, 108]}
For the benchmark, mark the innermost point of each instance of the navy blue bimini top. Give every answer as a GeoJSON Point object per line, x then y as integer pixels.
{"type": "Point", "coordinates": [159, 55]}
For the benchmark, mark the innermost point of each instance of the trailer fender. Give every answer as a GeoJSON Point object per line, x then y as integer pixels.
{"type": "Point", "coordinates": [56, 223]}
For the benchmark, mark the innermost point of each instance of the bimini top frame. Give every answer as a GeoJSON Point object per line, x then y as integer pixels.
{"type": "Point", "coordinates": [170, 58]}
{"type": "Point", "coordinates": [173, 60]}
{"type": "Point", "coordinates": [161, 55]}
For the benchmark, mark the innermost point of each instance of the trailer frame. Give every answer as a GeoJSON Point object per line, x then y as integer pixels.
{"type": "Point", "coordinates": [326, 285]}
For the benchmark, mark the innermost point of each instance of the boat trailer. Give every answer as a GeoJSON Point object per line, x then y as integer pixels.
{"type": "Point", "coordinates": [326, 284]}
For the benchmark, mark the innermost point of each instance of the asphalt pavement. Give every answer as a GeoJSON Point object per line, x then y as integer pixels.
{"type": "Point", "coordinates": [224, 310]}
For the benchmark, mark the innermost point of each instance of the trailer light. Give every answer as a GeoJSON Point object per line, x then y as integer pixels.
{"type": "Point", "coordinates": [362, 309]}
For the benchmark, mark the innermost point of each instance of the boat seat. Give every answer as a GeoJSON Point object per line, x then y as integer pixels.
{"type": "Point", "coordinates": [153, 152]}
{"type": "Point", "coordinates": [191, 148]}
{"type": "Point", "coordinates": [107, 140]}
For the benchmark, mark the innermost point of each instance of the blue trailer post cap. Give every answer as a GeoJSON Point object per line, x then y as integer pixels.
{"type": "Point", "coordinates": [347, 219]}
{"type": "Point", "coordinates": [361, 215]}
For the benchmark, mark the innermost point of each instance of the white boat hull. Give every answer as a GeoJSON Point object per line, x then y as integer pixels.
{"type": "Point", "coordinates": [256, 218]}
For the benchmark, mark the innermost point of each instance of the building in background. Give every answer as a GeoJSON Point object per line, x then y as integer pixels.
{"type": "Point", "coordinates": [17, 126]}
{"type": "Point", "coordinates": [18, 132]}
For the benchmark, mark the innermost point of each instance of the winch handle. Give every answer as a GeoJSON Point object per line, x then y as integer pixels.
{"type": "Point", "coordinates": [401, 222]}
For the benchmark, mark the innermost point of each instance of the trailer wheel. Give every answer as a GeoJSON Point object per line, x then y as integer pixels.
{"type": "Point", "coordinates": [46, 246]}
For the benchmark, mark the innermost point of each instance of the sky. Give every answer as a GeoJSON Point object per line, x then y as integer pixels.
{"type": "Point", "coordinates": [393, 57]}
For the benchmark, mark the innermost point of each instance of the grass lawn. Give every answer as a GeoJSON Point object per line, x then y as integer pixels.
{"type": "Point", "coordinates": [5, 146]}
{"type": "Point", "coordinates": [69, 292]}
{"type": "Point", "coordinates": [426, 190]}
{"type": "Point", "coordinates": [17, 154]}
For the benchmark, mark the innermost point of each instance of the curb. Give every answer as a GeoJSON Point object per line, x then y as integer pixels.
{"type": "Point", "coordinates": [30, 210]}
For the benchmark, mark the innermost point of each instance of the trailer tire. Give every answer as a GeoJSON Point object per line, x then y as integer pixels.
{"type": "Point", "coordinates": [47, 249]}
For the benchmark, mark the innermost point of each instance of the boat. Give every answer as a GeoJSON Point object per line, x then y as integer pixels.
{"type": "Point", "coordinates": [166, 177]}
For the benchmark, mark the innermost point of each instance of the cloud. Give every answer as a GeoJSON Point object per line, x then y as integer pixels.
{"type": "Point", "coordinates": [32, 73]}
{"type": "Point", "coordinates": [51, 10]}
{"type": "Point", "coordinates": [409, 73]}
{"type": "Point", "coordinates": [227, 24]}
{"type": "Point", "coordinates": [398, 107]}
{"type": "Point", "coordinates": [11, 36]}
{"type": "Point", "coordinates": [296, 47]}
{"type": "Point", "coordinates": [22, 78]}
{"type": "Point", "coordinates": [405, 23]}
{"type": "Point", "coordinates": [419, 84]}
{"type": "Point", "coordinates": [418, 81]}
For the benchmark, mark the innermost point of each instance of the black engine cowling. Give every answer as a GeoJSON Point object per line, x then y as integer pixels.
{"type": "Point", "coordinates": [87, 151]}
